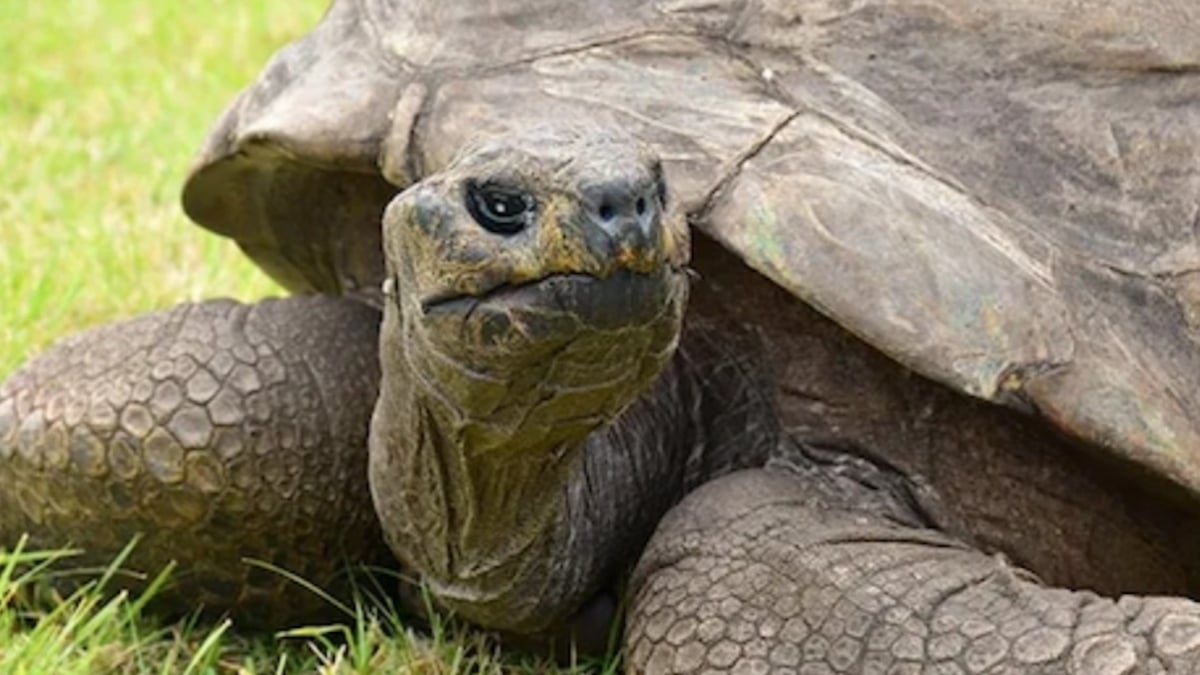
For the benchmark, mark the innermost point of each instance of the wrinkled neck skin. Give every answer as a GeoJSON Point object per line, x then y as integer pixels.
{"type": "Point", "coordinates": [516, 515]}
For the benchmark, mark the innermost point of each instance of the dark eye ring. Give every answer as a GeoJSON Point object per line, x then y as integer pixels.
{"type": "Point", "coordinates": [498, 208]}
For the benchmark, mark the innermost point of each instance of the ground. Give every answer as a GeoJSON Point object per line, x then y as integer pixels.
{"type": "Point", "coordinates": [102, 103]}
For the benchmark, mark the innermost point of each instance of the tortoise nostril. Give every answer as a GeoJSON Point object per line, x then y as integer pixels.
{"type": "Point", "coordinates": [620, 206]}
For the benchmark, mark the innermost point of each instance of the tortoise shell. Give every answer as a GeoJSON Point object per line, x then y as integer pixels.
{"type": "Point", "coordinates": [1003, 197]}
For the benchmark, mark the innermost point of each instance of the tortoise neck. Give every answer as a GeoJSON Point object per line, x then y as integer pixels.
{"type": "Point", "coordinates": [481, 528]}
{"type": "Point", "coordinates": [476, 473]}
{"type": "Point", "coordinates": [517, 535]}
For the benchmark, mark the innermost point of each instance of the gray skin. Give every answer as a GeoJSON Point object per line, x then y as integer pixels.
{"type": "Point", "coordinates": [552, 428]}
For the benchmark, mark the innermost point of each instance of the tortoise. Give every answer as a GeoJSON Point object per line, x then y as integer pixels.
{"type": "Point", "coordinates": [839, 336]}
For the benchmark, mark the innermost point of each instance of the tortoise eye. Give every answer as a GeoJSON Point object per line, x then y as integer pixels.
{"type": "Point", "coordinates": [499, 209]}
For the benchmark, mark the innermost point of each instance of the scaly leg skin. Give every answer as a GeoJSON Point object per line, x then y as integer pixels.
{"type": "Point", "coordinates": [216, 432]}
{"type": "Point", "coordinates": [817, 565]}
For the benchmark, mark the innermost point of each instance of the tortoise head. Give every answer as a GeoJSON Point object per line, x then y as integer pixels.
{"type": "Point", "coordinates": [537, 284]}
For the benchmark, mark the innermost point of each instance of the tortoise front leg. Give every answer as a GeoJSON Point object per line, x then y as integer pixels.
{"type": "Point", "coordinates": [216, 432]}
{"type": "Point", "coordinates": [804, 569]}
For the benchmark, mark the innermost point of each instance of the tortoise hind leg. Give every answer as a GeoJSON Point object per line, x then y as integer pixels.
{"type": "Point", "coordinates": [787, 569]}
{"type": "Point", "coordinates": [216, 431]}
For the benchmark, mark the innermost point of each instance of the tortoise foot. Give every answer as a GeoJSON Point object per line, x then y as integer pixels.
{"type": "Point", "coordinates": [215, 432]}
{"type": "Point", "coordinates": [761, 572]}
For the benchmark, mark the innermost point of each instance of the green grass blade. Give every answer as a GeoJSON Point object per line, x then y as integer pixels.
{"type": "Point", "coordinates": [208, 651]}
{"type": "Point", "coordinates": [303, 583]}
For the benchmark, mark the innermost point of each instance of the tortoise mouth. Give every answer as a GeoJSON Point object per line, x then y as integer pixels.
{"type": "Point", "coordinates": [450, 302]}
{"type": "Point", "coordinates": [625, 298]}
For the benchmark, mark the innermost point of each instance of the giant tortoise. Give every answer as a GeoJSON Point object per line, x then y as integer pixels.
{"type": "Point", "coordinates": [921, 391]}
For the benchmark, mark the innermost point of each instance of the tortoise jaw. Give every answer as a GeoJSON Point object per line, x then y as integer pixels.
{"type": "Point", "coordinates": [449, 300]}
{"type": "Point", "coordinates": [623, 299]}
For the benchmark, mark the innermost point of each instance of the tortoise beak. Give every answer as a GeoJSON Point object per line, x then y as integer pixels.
{"type": "Point", "coordinates": [568, 302]}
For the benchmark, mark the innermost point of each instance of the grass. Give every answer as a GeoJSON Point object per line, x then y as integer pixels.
{"type": "Point", "coordinates": [102, 103]}
{"type": "Point", "coordinates": [95, 632]}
